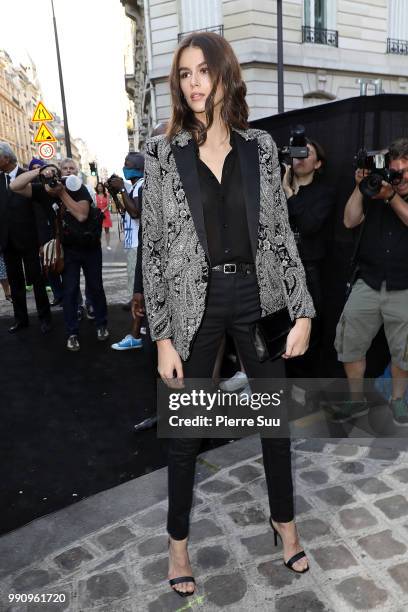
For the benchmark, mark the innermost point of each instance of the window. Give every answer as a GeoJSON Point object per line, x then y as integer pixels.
{"type": "Point", "coordinates": [320, 14]}
{"type": "Point", "coordinates": [200, 15]}
{"type": "Point", "coordinates": [319, 22]}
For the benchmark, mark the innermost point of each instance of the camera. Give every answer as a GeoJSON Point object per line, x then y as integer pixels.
{"type": "Point", "coordinates": [377, 163]}
{"type": "Point", "coordinates": [297, 146]}
{"type": "Point", "coordinates": [112, 190]}
{"type": "Point", "coordinates": [53, 177]}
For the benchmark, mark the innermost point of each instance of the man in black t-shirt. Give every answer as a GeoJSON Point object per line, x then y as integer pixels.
{"type": "Point", "coordinates": [380, 295]}
{"type": "Point", "coordinates": [74, 208]}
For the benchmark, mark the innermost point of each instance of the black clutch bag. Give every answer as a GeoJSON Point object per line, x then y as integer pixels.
{"type": "Point", "coordinates": [269, 335]}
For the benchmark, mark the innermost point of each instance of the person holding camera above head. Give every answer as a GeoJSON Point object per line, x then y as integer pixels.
{"type": "Point", "coordinates": [310, 204]}
{"type": "Point", "coordinates": [70, 205]}
{"type": "Point", "coordinates": [20, 244]}
{"type": "Point", "coordinates": [379, 296]}
{"type": "Point", "coordinates": [218, 254]}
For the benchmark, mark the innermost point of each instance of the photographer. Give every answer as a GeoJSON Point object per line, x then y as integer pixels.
{"type": "Point", "coordinates": [310, 203]}
{"type": "Point", "coordinates": [80, 237]}
{"type": "Point", "coordinates": [380, 294]}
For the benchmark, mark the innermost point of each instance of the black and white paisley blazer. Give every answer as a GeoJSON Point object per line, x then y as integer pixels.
{"type": "Point", "coordinates": [175, 258]}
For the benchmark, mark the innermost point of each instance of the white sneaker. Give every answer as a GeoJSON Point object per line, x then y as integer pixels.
{"type": "Point", "coordinates": [238, 381]}
{"type": "Point", "coordinates": [246, 392]}
{"type": "Point", "coordinates": [108, 248]}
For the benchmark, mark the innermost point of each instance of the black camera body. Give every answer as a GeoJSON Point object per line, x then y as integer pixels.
{"type": "Point", "coordinates": [109, 185]}
{"type": "Point", "coordinates": [52, 179]}
{"type": "Point", "coordinates": [297, 147]}
{"type": "Point", "coordinates": [376, 162]}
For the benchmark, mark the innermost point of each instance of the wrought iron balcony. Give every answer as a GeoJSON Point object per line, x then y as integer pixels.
{"type": "Point", "coordinates": [219, 29]}
{"type": "Point", "coordinates": [320, 36]}
{"type": "Point", "coordinates": [398, 47]}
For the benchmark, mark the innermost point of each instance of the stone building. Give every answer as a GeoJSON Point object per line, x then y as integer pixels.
{"type": "Point", "coordinates": [137, 83]}
{"type": "Point", "coordinates": [329, 45]}
{"type": "Point", "coordinates": [19, 94]}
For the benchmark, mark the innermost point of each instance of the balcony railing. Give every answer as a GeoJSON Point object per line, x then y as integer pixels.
{"type": "Point", "coordinates": [219, 29]}
{"type": "Point", "coordinates": [398, 47]}
{"type": "Point", "coordinates": [320, 36]}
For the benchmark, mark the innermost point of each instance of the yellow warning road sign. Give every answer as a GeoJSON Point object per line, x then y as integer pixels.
{"type": "Point", "coordinates": [44, 134]}
{"type": "Point", "coordinates": [42, 114]}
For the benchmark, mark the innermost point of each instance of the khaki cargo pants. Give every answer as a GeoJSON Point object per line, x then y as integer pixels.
{"type": "Point", "coordinates": [364, 313]}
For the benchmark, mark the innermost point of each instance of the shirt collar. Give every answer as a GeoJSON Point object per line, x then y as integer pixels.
{"type": "Point", "coordinates": [13, 173]}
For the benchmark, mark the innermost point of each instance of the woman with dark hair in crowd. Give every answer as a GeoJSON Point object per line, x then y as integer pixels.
{"type": "Point", "coordinates": [311, 203]}
{"type": "Point", "coordinates": [218, 254]}
{"type": "Point", "coordinates": [102, 202]}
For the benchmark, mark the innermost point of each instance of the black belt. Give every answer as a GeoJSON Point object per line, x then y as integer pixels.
{"type": "Point", "coordinates": [233, 268]}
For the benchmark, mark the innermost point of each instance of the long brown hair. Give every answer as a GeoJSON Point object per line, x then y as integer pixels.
{"type": "Point", "coordinates": [224, 68]}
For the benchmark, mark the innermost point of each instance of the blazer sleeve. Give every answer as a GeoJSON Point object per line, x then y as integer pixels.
{"type": "Point", "coordinates": [298, 299]}
{"type": "Point", "coordinates": [154, 284]}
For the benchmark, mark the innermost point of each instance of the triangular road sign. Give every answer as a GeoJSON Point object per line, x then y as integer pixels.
{"type": "Point", "coordinates": [42, 114]}
{"type": "Point", "coordinates": [44, 134]}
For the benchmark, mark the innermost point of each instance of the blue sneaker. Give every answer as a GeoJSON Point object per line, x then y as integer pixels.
{"type": "Point", "coordinates": [128, 343]}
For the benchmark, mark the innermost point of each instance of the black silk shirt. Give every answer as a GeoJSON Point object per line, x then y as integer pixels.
{"type": "Point", "coordinates": [224, 211]}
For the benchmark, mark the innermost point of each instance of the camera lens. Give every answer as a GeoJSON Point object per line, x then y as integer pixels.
{"type": "Point", "coordinates": [371, 185]}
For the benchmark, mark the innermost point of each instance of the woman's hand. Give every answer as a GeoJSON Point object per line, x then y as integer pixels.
{"type": "Point", "coordinates": [298, 339]}
{"type": "Point", "coordinates": [286, 181]}
{"type": "Point", "coordinates": [169, 361]}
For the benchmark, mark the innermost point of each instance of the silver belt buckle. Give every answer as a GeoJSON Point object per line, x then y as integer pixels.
{"type": "Point", "coordinates": [232, 268]}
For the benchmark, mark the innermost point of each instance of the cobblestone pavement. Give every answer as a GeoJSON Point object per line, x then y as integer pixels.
{"type": "Point", "coordinates": [108, 553]}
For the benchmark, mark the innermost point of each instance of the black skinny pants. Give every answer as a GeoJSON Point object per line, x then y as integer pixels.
{"type": "Point", "coordinates": [233, 304]}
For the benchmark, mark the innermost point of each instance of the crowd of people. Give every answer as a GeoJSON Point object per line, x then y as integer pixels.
{"type": "Point", "coordinates": [219, 236]}
{"type": "Point", "coordinates": [42, 210]}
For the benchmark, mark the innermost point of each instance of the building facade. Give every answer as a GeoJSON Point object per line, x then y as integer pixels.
{"type": "Point", "coordinates": [136, 78]}
{"type": "Point", "coordinates": [330, 46]}
{"type": "Point", "coordinates": [19, 94]}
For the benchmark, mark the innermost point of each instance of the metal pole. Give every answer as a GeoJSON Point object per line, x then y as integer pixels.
{"type": "Point", "coordinates": [281, 103]}
{"type": "Point", "coordinates": [64, 108]}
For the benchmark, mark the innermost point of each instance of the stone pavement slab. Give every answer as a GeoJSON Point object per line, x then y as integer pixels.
{"type": "Point", "coordinates": [109, 553]}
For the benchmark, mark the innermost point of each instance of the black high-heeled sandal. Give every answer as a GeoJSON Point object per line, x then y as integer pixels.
{"type": "Point", "coordinates": [289, 563]}
{"type": "Point", "coordinates": [179, 580]}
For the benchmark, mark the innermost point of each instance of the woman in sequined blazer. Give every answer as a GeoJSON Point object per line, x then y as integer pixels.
{"type": "Point", "coordinates": [192, 294]}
